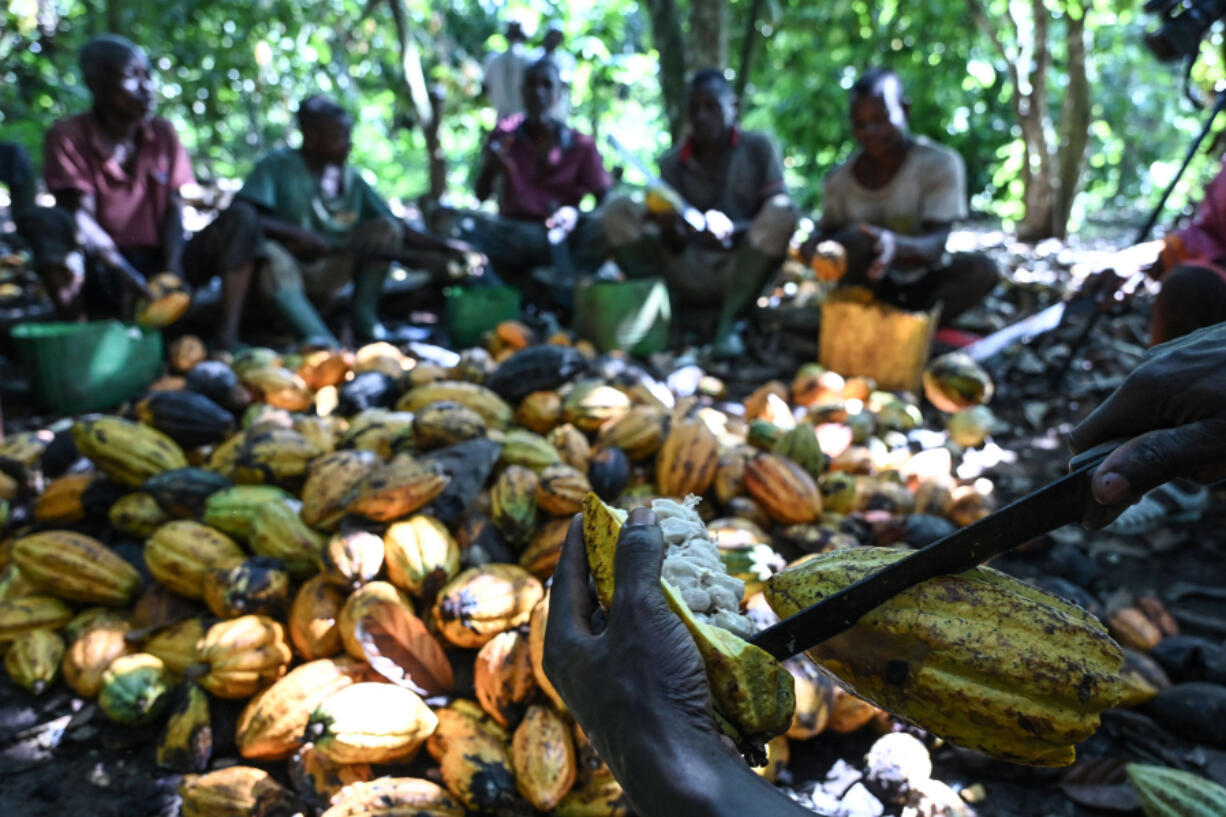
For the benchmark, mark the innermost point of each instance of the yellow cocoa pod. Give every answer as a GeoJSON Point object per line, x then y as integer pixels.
{"type": "Point", "coordinates": [420, 554]}
{"type": "Point", "coordinates": [543, 757]}
{"type": "Point", "coordinates": [91, 652]}
{"type": "Point", "coordinates": [394, 797]}
{"type": "Point", "coordinates": [353, 557]}
{"type": "Point", "coordinates": [687, 460]}
{"type": "Point", "coordinates": [76, 567]}
{"type": "Point", "coordinates": [319, 779]}
{"type": "Point", "coordinates": [484, 601]}
{"type": "Point", "coordinates": [1030, 672]}
{"type": "Point", "coordinates": [331, 478]}
{"type": "Point", "coordinates": [182, 553]}
{"type": "Point", "coordinates": [312, 619]}
{"type": "Point", "coordinates": [503, 677]}
{"type": "Point", "coordinates": [187, 741]}
{"type": "Point", "coordinates": [33, 659]}
{"type": "Point", "coordinates": [272, 723]}
{"type": "Point", "coordinates": [561, 490]}
{"type": "Point", "coordinates": [474, 757]}
{"type": "Point", "coordinates": [371, 722]}
{"type": "Point", "coordinates": [243, 655]}
{"type": "Point", "coordinates": [234, 791]}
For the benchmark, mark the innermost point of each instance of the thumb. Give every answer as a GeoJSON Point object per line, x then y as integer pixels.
{"type": "Point", "coordinates": [637, 561]}
{"type": "Point", "coordinates": [1194, 450]}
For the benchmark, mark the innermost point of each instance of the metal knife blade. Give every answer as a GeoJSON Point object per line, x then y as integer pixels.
{"type": "Point", "coordinates": [1042, 321]}
{"type": "Point", "coordinates": [1044, 510]}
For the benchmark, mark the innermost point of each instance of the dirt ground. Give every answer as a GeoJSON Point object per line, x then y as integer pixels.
{"type": "Point", "coordinates": [60, 756]}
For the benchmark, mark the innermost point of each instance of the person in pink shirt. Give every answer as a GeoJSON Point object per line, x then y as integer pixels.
{"type": "Point", "coordinates": [540, 170]}
{"type": "Point", "coordinates": [1191, 268]}
{"type": "Point", "coordinates": [115, 171]}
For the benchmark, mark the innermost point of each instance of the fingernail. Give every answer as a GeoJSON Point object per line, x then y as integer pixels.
{"type": "Point", "coordinates": [1111, 487]}
{"type": "Point", "coordinates": [642, 516]}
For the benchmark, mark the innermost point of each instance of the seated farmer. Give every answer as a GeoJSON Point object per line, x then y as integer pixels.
{"type": "Point", "coordinates": [891, 206]}
{"type": "Point", "coordinates": [1191, 269]}
{"type": "Point", "coordinates": [541, 170]}
{"type": "Point", "coordinates": [734, 177]}
{"type": "Point", "coordinates": [304, 224]}
{"type": "Point", "coordinates": [116, 172]}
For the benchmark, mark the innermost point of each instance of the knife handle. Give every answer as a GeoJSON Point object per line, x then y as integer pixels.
{"type": "Point", "coordinates": [1091, 458]}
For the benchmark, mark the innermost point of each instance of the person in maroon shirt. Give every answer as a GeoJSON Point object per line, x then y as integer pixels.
{"type": "Point", "coordinates": [116, 172]}
{"type": "Point", "coordinates": [541, 170]}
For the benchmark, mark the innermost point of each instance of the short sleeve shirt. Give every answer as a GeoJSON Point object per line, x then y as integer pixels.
{"type": "Point", "coordinates": [570, 170]}
{"type": "Point", "coordinates": [930, 186]}
{"type": "Point", "coordinates": [751, 174]}
{"type": "Point", "coordinates": [283, 186]}
{"type": "Point", "coordinates": [130, 206]}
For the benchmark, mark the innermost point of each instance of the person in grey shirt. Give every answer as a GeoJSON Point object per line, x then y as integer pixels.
{"type": "Point", "coordinates": [891, 206]}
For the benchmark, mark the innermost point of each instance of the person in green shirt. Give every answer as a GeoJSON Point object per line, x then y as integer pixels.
{"type": "Point", "coordinates": [304, 224]}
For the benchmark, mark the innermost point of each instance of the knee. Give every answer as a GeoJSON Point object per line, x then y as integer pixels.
{"type": "Point", "coordinates": [622, 220]}
{"type": "Point", "coordinates": [240, 222]}
{"type": "Point", "coordinates": [384, 230]}
{"type": "Point", "coordinates": [773, 226]}
{"type": "Point", "coordinates": [981, 272]}
{"type": "Point", "coordinates": [1188, 285]}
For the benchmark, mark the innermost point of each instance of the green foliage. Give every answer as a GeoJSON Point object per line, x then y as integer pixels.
{"type": "Point", "coordinates": [231, 73]}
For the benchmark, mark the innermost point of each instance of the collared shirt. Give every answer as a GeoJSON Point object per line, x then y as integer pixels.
{"type": "Point", "coordinates": [750, 174]}
{"type": "Point", "coordinates": [282, 185]}
{"type": "Point", "coordinates": [77, 155]}
{"type": "Point", "coordinates": [570, 170]}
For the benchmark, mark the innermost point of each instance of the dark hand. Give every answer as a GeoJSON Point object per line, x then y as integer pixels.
{"type": "Point", "coordinates": [496, 156]}
{"type": "Point", "coordinates": [1104, 288]}
{"type": "Point", "coordinates": [1174, 407]}
{"type": "Point", "coordinates": [885, 246]}
{"type": "Point", "coordinates": [644, 662]}
{"type": "Point", "coordinates": [129, 277]}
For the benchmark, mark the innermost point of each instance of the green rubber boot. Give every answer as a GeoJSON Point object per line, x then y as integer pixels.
{"type": "Point", "coordinates": [364, 310]}
{"type": "Point", "coordinates": [296, 308]}
{"type": "Point", "coordinates": [641, 258]}
{"type": "Point", "coordinates": [749, 275]}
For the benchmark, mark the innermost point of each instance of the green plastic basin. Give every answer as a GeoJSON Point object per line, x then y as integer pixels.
{"type": "Point", "coordinates": [80, 367]}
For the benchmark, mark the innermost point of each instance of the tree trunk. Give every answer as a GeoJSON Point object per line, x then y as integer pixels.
{"type": "Point", "coordinates": [1075, 115]}
{"type": "Point", "coordinates": [708, 42]}
{"type": "Point", "coordinates": [1035, 115]}
{"type": "Point", "coordinates": [424, 107]}
{"type": "Point", "coordinates": [670, 44]}
{"type": "Point", "coordinates": [114, 16]}
{"type": "Point", "coordinates": [748, 46]}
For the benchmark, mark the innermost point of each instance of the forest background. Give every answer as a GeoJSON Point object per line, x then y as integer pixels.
{"type": "Point", "coordinates": [1065, 119]}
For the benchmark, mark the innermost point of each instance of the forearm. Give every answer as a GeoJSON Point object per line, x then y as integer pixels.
{"type": "Point", "coordinates": [485, 180]}
{"type": "Point", "coordinates": [921, 249]}
{"type": "Point", "coordinates": [172, 235]}
{"type": "Point", "coordinates": [279, 230]}
{"type": "Point", "coordinates": [415, 239]}
{"type": "Point", "coordinates": [681, 771]}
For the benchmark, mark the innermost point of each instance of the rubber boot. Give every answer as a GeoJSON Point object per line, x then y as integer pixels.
{"type": "Point", "coordinates": [749, 275]}
{"type": "Point", "coordinates": [296, 308]}
{"type": "Point", "coordinates": [364, 310]}
{"type": "Point", "coordinates": [641, 258]}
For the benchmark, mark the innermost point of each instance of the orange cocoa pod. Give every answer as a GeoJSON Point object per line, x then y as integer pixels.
{"type": "Point", "coordinates": [687, 460]}
{"type": "Point", "coordinates": [784, 489]}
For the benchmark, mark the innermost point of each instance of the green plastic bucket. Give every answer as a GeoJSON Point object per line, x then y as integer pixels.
{"type": "Point", "coordinates": [631, 316]}
{"type": "Point", "coordinates": [79, 367]}
{"type": "Point", "coordinates": [473, 312]}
